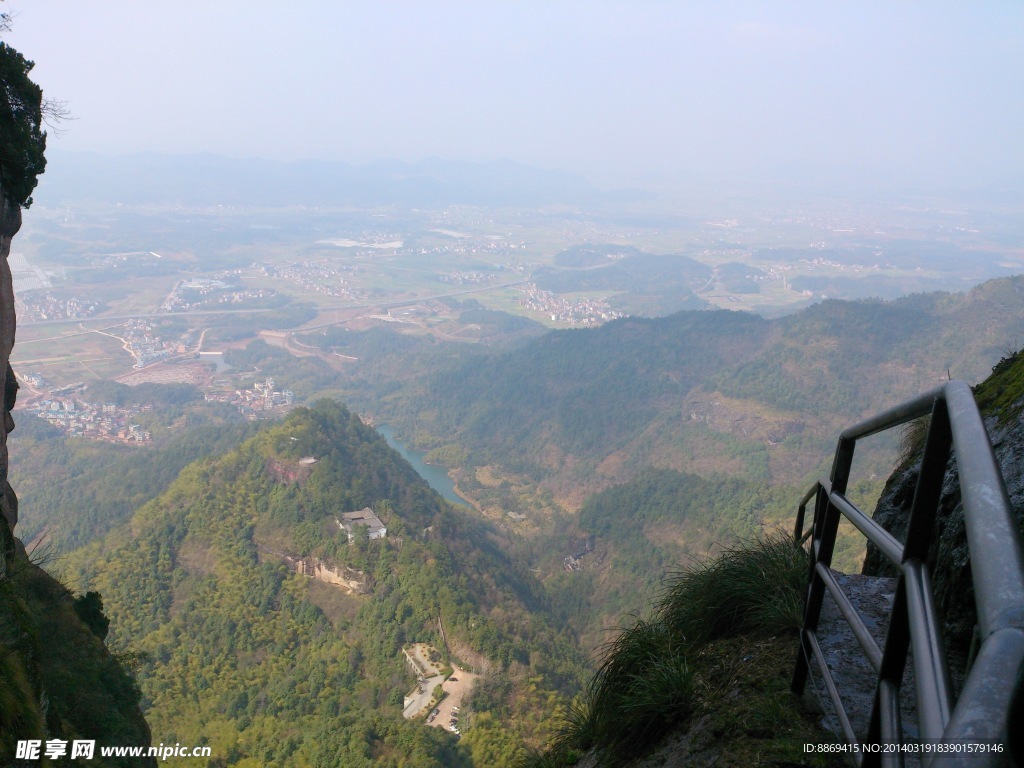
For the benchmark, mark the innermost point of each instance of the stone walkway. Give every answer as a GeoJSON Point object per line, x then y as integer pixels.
{"type": "Point", "coordinates": [855, 678]}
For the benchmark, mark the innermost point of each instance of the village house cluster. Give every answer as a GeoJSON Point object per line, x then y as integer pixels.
{"type": "Point", "coordinates": [490, 246]}
{"type": "Point", "coordinates": [201, 292]}
{"type": "Point", "coordinates": [147, 348]}
{"type": "Point", "coordinates": [242, 297]}
{"type": "Point", "coordinates": [108, 260]}
{"type": "Point", "coordinates": [106, 421]}
{"type": "Point", "coordinates": [466, 278]}
{"type": "Point", "coordinates": [35, 306]}
{"type": "Point", "coordinates": [585, 312]}
{"type": "Point", "coordinates": [315, 276]}
{"type": "Point", "coordinates": [189, 294]}
{"type": "Point", "coordinates": [260, 402]}
{"type": "Point", "coordinates": [829, 264]}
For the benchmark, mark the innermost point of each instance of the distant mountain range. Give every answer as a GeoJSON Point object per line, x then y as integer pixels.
{"type": "Point", "coordinates": [208, 180]}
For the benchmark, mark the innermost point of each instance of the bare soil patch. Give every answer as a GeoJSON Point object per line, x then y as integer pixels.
{"type": "Point", "coordinates": [340, 607]}
{"type": "Point", "coordinates": [189, 373]}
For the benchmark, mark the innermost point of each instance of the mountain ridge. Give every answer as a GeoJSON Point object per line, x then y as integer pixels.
{"type": "Point", "coordinates": [560, 408]}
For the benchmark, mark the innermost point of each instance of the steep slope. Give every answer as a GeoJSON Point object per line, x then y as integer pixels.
{"type": "Point", "coordinates": [272, 668]}
{"type": "Point", "coordinates": [632, 536]}
{"type": "Point", "coordinates": [57, 679]}
{"type": "Point", "coordinates": [583, 393]}
{"type": "Point", "coordinates": [704, 675]}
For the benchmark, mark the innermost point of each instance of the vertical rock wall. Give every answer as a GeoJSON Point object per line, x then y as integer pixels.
{"type": "Point", "coordinates": [10, 223]}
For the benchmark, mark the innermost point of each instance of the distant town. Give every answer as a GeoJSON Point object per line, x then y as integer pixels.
{"type": "Point", "coordinates": [579, 312]}
{"type": "Point", "coordinates": [77, 417]}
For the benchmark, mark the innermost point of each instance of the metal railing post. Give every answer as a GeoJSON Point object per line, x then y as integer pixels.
{"type": "Point", "coordinates": [823, 541]}
{"type": "Point", "coordinates": [997, 573]}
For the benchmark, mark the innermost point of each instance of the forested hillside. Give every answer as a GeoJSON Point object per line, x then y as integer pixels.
{"type": "Point", "coordinates": [705, 392]}
{"type": "Point", "coordinates": [703, 677]}
{"type": "Point", "coordinates": [601, 460]}
{"type": "Point", "coordinates": [272, 668]}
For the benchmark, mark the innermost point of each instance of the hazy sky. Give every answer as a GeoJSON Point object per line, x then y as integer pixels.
{"type": "Point", "coordinates": [927, 92]}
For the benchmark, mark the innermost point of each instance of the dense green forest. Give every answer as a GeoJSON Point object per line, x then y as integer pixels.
{"type": "Point", "coordinates": [602, 459]}
{"type": "Point", "coordinates": [709, 392]}
{"type": "Point", "coordinates": [564, 391]}
{"type": "Point", "coordinates": [700, 425]}
{"type": "Point", "coordinates": [238, 652]}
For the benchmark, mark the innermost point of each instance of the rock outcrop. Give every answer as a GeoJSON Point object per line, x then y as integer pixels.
{"type": "Point", "coordinates": [10, 223]}
{"type": "Point", "coordinates": [349, 579]}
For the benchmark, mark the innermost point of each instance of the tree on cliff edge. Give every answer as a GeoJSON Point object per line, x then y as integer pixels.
{"type": "Point", "coordinates": [22, 139]}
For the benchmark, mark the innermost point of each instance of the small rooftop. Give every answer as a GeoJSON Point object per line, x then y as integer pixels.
{"type": "Point", "coordinates": [375, 529]}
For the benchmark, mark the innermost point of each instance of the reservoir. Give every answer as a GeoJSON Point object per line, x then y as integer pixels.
{"type": "Point", "coordinates": [217, 358]}
{"type": "Point", "coordinates": [435, 476]}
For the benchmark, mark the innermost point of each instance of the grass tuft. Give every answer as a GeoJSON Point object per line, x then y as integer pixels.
{"type": "Point", "coordinates": [754, 588]}
{"type": "Point", "coordinates": [646, 685]}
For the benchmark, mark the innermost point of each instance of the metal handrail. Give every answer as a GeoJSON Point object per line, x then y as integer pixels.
{"type": "Point", "coordinates": [976, 720]}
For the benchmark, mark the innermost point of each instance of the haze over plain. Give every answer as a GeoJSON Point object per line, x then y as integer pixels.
{"type": "Point", "coordinates": [683, 94]}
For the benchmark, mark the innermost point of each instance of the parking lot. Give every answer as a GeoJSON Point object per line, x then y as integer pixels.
{"type": "Point", "coordinates": [456, 688]}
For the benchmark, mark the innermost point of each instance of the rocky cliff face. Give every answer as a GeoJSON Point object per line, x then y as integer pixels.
{"type": "Point", "coordinates": [1001, 400]}
{"type": "Point", "coordinates": [10, 223]}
